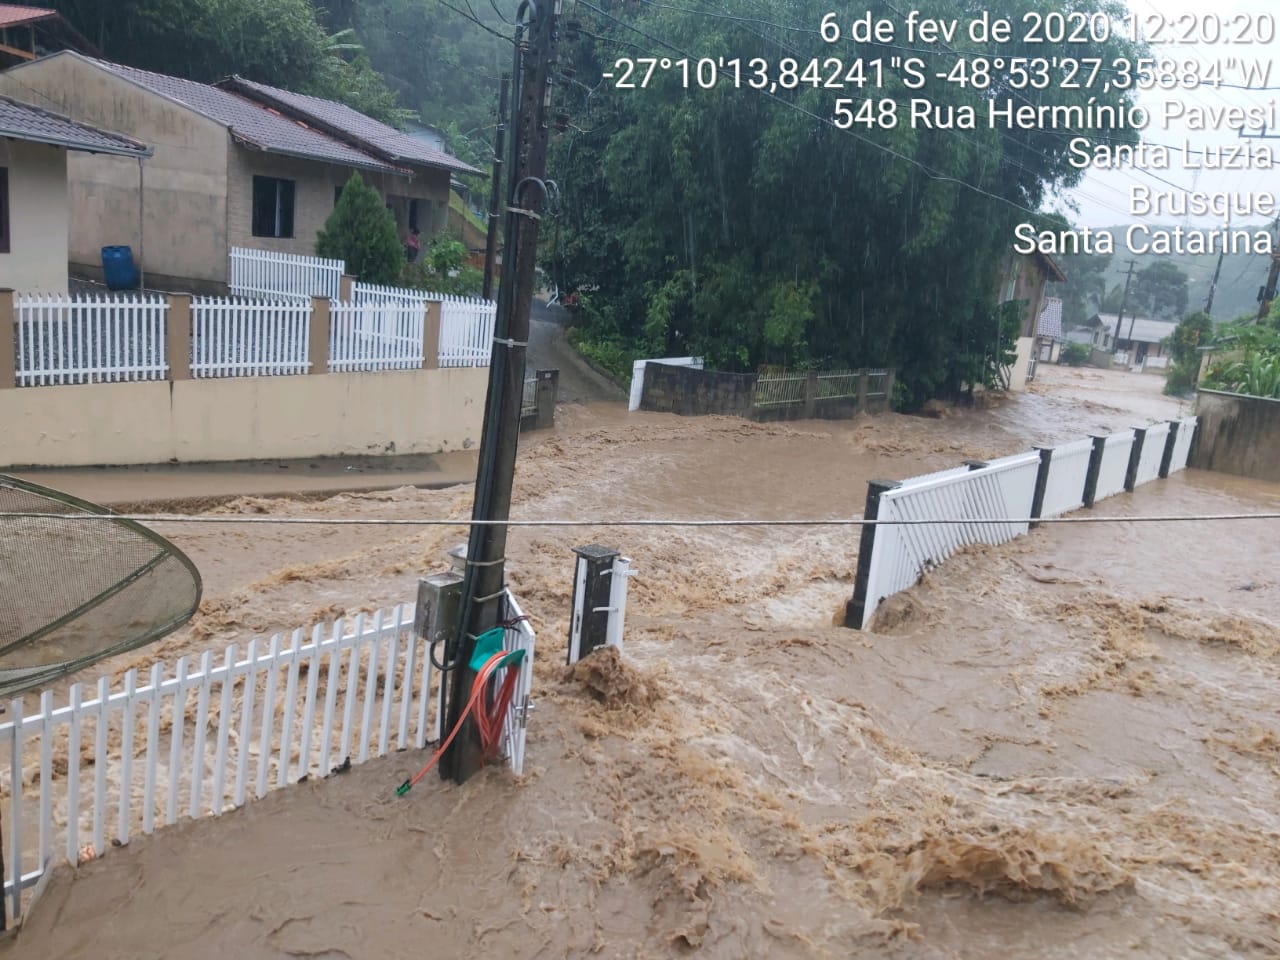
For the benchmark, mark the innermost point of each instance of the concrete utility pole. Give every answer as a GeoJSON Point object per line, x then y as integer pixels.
{"type": "Point", "coordinates": [1124, 302]}
{"type": "Point", "coordinates": [484, 578]}
{"type": "Point", "coordinates": [499, 155]}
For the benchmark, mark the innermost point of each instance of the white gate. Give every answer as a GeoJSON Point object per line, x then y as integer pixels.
{"type": "Point", "coordinates": [112, 761]}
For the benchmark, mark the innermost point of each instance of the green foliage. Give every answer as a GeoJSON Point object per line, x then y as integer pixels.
{"type": "Point", "coordinates": [441, 269]}
{"type": "Point", "coordinates": [1252, 359]}
{"type": "Point", "coordinates": [725, 224]}
{"type": "Point", "coordinates": [1257, 375]}
{"type": "Point", "coordinates": [1159, 290]}
{"type": "Point", "coordinates": [279, 42]}
{"type": "Point", "coordinates": [1074, 354]}
{"type": "Point", "coordinates": [362, 231]}
{"type": "Point", "coordinates": [1086, 287]}
{"type": "Point", "coordinates": [613, 357]}
{"type": "Point", "coordinates": [444, 68]}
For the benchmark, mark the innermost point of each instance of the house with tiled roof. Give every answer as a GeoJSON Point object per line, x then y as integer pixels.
{"type": "Point", "coordinates": [235, 164]}
{"type": "Point", "coordinates": [34, 148]}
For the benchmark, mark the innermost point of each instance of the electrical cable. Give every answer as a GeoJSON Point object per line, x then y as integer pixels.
{"type": "Point", "coordinates": [632, 522]}
{"type": "Point", "coordinates": [489, 721]}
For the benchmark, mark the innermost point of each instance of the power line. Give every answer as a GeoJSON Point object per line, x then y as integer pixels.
{"type": "Point", "coordinates": [635, 522]}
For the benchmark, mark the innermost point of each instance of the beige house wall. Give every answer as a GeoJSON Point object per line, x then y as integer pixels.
{"type": "Point", "coordinates": [315, 186]}
{"type": "Point", "coordinates": [37, 257]}
{"type": "Point", "coordinates": [245, 418]}
{"type": "Point", "coordinates": [180, 229]}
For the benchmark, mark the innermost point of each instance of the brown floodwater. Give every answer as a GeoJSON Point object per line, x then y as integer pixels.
{"type": "Point", "coordinates": [1065, 746]}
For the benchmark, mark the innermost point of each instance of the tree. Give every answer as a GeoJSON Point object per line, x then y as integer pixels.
{"type": "Point", "coordinates": [1086, 288]}
{"type": "Point", "coordinates": [746, 229]}
{"type": "Point", "coordinates": [1193, 331]}
{"type": "Point", "coordinates": [362, 231]}
{"type": "Point", "coordinates": [278, 42]}
{"type": "Point", "coordinates": [1160, 290]}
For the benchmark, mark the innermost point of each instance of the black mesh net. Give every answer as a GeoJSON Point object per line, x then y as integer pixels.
{"type": "Point", "coordinates": [74, 591]}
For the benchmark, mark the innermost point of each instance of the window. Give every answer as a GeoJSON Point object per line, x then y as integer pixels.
{"type": "Point", "coordinates": [272, 207]}
{"type": "Point", "coordinates": [413, 215]}
{"type": "Point", "coordinates": [337, 195]}
{"type": "Point", "coordinates": [4, 209]}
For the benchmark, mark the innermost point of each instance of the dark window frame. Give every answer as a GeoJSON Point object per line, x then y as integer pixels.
{"type": "Point", "coordinates": [6, 239]}
{"type": "Point", "coordinates": [275, 221]}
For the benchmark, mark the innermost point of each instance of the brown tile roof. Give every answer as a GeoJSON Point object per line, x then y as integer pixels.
{"type": "Point", "coordinates": [352, 125]}
{"type": "Point", "coordinates": [250, 122]}
{"type": "Point", "coordinates": [13, 15]}
{"type": "Point", "coordinates": [22, 121]}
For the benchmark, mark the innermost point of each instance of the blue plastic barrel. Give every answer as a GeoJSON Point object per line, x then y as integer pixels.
{"type": "Point", "coordinates": [118, 269]}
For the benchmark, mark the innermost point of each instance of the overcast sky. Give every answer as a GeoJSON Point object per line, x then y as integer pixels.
{"type": "Point", "coordinates": [1103, 195]}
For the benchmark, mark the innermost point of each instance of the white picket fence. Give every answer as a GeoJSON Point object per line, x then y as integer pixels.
{"type": "Point", "coordinates": [466, 330]}
{"type": "Point", "coordinates": [943, 510]}
{"type": "Point", "coordinates": [89, 339]}
{"type": "Point", "coordinates": [285, 711]}
{"type": "Point", "coordinates": [258, 273]}
{"type": "Point", "coordinates": [249, 338]}
{"type": "Point", "coordinates": [374, 336]}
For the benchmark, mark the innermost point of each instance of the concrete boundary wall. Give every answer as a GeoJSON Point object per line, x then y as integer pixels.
{"type": "Point", "coordinates": [243, 418]}
{"type": "Point", "coordinates": [1238, 434]}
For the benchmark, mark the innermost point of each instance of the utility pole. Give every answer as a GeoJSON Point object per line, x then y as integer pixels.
{"type": "Point", "coordinates": [484, 579]}
{"type": "Point", "coordinates": [1213, 285]}
{"type": "Point", "coordinates": [1268, 293]}
{"type": "Point", "coordinates": [495, 194]}
{"type": "Point", "coordinates": [1124, 302]}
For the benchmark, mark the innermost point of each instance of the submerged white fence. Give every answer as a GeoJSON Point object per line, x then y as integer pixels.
{"type": "Point", "coordinates": [249, 338]}
{"type": "Point", "coordinates": [904, 551]}
{"type": "Point", "coordinates": [923, 520]}
{"type": "Point", "coordinates": [91, 339]}
{"type": "Point", "coordinates": [466, 331]}
{"type": "Point", "coordinates": [258, 273]}
{"type": "Point", "coordinates": [200, 737]}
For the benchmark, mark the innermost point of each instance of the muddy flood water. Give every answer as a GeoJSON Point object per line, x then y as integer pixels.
{"type": "Point", "coordinates": [1065, 746]}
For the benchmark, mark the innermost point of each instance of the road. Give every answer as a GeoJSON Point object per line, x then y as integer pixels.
{"type": "Point", "coordinates": [548, 348]}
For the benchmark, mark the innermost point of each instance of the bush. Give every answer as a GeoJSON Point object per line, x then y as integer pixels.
{"type": "Point", "coordinates": [362, 231]}
{"type": "Point", "coordinates": [441, 269]}
{"type": "Point", "coordinates": [1074, 354]}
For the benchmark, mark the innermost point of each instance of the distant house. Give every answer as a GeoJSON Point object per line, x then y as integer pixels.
{"type": "Point", "coordinates": [34, 144]}
{"type": "Point", "coordinates": [1141, 341]}
{"type": "Point", "coordinates": [30, 32]}
{"type": "Point", "coordinates": [1049, 335]}
{"type": "Point", "coordinates": [1024, 277]}
{"type": "Point", "coordinates": [238, 164]}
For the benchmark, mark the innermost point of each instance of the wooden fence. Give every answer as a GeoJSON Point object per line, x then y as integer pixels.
{"type": "Point", "coordinates": [203, 736]}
